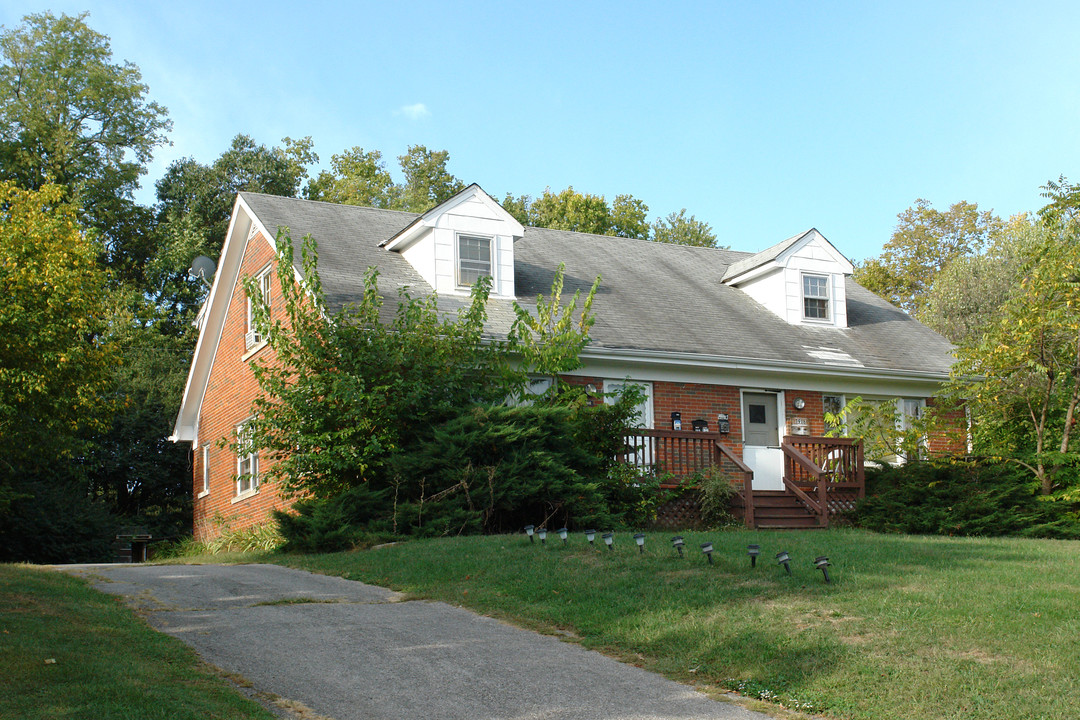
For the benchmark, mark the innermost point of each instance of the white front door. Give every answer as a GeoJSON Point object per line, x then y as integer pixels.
{"type": "Point", "coordinates": [761, 439]}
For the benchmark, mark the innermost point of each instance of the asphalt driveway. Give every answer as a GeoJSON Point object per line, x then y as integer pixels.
{"type": "Point", "coordinates": [350, 651]}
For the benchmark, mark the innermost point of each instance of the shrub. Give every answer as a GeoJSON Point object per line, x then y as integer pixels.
{"type": "Point", "coordinates": [962, 499]}
{"type": "Point", "coordinates": [53, 521]}
{"type": "Point", "coordinates": [716, 495]}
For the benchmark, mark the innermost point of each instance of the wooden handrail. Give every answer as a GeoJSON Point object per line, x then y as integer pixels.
{"type": "Point", "coordinates": [748, 482]}
{"type": "Point", "coordinates": [809, 465]}
{"type": "Point", "coordinates": [813, 505]}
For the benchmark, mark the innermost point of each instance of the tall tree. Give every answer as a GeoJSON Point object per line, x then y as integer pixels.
{"type": "Point", "coordinates": [71, 116]}
{"type": "Point", "coordinates": [679, 229]}
{"type": "Point", "coordinates": [427, 181]}
{"type": "Point", "coordinates": [54, 358]}
{"type": "Point", "coordinates": [357, 177]}
{"type": "Point", "coordinates": [924, 242]}
{"type": "Point", "coordinates": [571, 210]}
{"type": "Point", "coordinates": [628, 217]}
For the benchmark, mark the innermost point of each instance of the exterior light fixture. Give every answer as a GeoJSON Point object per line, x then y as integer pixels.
{"type": "Point", "coordinates": [753, 551]}
{"type": "Point", "coordinates": [562, 534]}
{"type": "Point", "coordinates": [529, 532]}
{"type": "Point", "coordinates": [609, 540]}
{"type": "Point", "coordinates": [707, 548]}
{"type": "Point", "coordinates": [677, 542]}
{"type": "Point", "coordinates": [782, 558]}
{"type": "Point", "coordinates": [542, 532]}
{"type": "Point", "coordinates": [590, 535]}
{"type": "Point", "coordinates": [822, 564]}
{"type": "Point", "coordinates": [676, 420]}
{"type": "Point", "coordinates": [639, 538]}
{"type": "Point", "coordinates": [799, 403]}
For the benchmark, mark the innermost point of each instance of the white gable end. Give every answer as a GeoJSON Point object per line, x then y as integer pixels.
{"type": "Point", "coordinates": [469, 234]}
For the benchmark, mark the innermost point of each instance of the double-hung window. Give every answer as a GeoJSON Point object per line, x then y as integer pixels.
{"type": "Point", "coordinates": [815, 297]}
{"type": "Point", "coordinates": [474, 259]}
{"type": "Point", "coordinates": [247, 461]}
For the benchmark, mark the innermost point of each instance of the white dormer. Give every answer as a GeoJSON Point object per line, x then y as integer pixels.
{"type": "Point", "coordinates": [801, 280]}
{"type": "Point", "coordinates": [460, 240]}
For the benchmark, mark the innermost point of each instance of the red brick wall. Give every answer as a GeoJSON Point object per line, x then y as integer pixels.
{"type": "Point", "coordinates": [229, 394]}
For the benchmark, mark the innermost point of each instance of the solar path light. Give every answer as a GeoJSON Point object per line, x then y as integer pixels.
{"type": "Point", "coordinates": [639, 538]}
{"type": "Point", "coordinates": [677, 542]}
{"type": "Point", "coordinates": [562, 534]}
{"type": "Point", "coordinates": [529, 532]}
{"type": "Point", "coordinates": [590, 535]}
{"type": "Point", "coordinates": [782, 558]}
{"type": "Point", "coordinates": [753, 551]}
{"type": "Point", "coordinates": [542, 532]}
{"type": "Point", "coordinates": [707, 548]}
{"type": "Point", "coordinates": [822, 563]}
{"type": "Point", "coordinates": [609, 540]}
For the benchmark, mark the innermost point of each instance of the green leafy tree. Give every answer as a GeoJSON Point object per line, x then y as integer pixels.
{"type": "Point", "coordinates": [968, 294]}
{"type": "Point", "coordinates": [628, 217]}
{"type": "Point", "coordinates": [1022, 375]}
{"type": "Point", "coordinates": [54, 354]}
{"type": "Point", "coordinates": [679, 229]}
{"type": "Point", "coordinates": [427, 181]}
{"type": "Point", "coordinates": [71, 116]}
{"type": "Point", "coordinates": [571, 210]}
{"type": "Point", "coordinates": [357, 177]}
{"type": "Point", "coordinates": [924, 242]}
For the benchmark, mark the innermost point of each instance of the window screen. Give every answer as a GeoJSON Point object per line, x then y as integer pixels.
{"type": "Point", "coordinates": [474, 258]}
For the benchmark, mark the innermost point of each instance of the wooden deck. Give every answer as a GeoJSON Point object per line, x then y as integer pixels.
{"type": "Point", "coordinates": [823, 477]}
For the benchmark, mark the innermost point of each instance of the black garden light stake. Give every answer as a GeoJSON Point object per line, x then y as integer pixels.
{"type": "Point", "coordinates": [542, 532]}
{"type": "Point", "coordinates": [782, 558]}
{"type": "Point", "coordinates": [529, 532]}
{"type": "Point", "coordinates": [562, 534]}
{"type": "Point", "coordinates": [708, 550]}
{"type": "Point", "coordinates": [590, 535]}
{"type": "Point", "coordinates": [753, 551]}
{"type": "Point", "coordinates": [609, 540]}
{"type": "Point", "coordinates": [822, 564]}
{"type": "Point", "coordinates": [639, 538]}
{"type": "Point", "coordinates": [677, 542]}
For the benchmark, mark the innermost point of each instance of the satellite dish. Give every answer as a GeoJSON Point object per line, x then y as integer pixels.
{"type": "Point", "coordinates": [203, 268]}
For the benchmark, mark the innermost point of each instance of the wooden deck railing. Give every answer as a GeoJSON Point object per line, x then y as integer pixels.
{"type": "Point", "coordinates": [681, 454]}
{"type": "Point", "coordinates": [826, 474]}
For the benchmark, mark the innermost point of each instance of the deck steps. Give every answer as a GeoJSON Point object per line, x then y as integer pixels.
{"type": "Point", "coordinates": [779, 510]}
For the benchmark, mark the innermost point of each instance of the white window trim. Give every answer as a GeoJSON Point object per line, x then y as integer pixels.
{"type": "Point", "coordinates": [205, 471]}
{"type": "Point", "coordinates": [830, 312]}
{"type": "Point", "coordinates": [264, 280]}
{"type": "Point", "coordinates": [492, 265]}
{"type": "Point", "coordinates": [252, 459]}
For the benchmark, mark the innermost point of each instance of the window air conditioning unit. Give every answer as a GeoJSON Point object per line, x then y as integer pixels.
{"type": "Point", "coordinates": [251, 339]}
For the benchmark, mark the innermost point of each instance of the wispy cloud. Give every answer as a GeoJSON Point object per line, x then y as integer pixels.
{"type": "Point", "coordinates": [418, 111]}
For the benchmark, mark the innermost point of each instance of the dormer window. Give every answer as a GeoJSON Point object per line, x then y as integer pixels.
{"type": "Point", "coordinates": [474, 259]}
{"type": "Point", "coordinates": [815, 297]}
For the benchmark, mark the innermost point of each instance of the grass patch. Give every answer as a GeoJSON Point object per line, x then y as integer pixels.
{"type": "Point", "coordinates": [68, 651]}
{"type": "Point", "coordinates": [912, 627]}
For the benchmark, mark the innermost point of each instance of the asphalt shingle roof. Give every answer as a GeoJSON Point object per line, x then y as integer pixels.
{"type": "Point", "coordinates": [652, 297]}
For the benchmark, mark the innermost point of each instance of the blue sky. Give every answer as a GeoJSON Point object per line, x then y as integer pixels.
{"type": "Point", "coordinates": [761, 118]}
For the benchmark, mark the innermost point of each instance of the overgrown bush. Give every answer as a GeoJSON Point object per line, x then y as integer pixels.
{"type": "Point", "coordinates": [963, 499]}
{"type": "Point", "coordinates": [716, 494]}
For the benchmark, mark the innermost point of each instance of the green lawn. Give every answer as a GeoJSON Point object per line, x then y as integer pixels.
{"type": "Point", "coordinates": [911, 627]}
{"type": "Point", "coordinates": [68, 651]}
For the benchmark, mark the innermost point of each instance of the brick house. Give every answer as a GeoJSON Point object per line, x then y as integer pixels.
{"type": "Point", "coordinates": [758, 346]}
